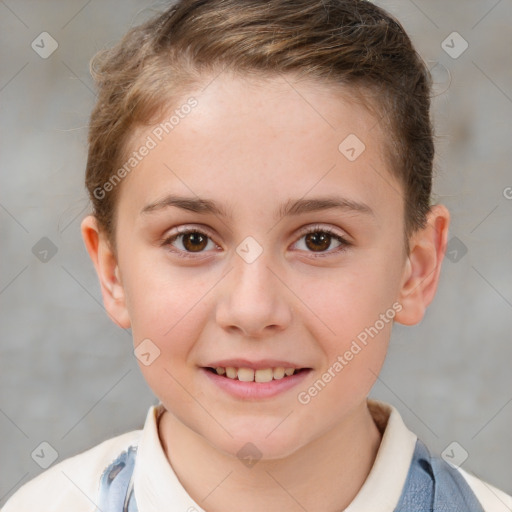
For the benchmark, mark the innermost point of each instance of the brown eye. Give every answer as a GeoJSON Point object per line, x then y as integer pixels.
{"type": "Point", "coordinates": [191, 241]}
{"type": "Point", "coordinates": [318, 241]}
{"type": "Point", "coordinates": [194, 241]}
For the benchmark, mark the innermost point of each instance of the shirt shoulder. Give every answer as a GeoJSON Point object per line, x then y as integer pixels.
{"type": "Point", "coordinates": [491, 498]}
{"type": "Point", "coordinates": [73, 483]}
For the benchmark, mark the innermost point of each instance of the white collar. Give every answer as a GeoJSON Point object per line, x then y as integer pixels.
{"type": "Point", "coordinates": [383, 486]}
{"type": "Point", "coordinates": [157, 486]}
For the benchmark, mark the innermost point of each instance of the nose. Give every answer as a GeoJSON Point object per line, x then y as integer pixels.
{"type": "Point", "coordinates": [253, 300]}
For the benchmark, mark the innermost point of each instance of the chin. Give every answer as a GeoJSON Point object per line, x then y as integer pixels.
{"type": "Point", "coordinates": [254, 444]}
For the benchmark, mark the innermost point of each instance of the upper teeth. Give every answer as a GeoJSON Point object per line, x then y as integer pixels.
{"type": "Point", "coordinates": [250, 375]}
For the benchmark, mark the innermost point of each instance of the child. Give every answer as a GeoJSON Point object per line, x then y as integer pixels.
{"type": "Point", "coordinates": [260, 174]}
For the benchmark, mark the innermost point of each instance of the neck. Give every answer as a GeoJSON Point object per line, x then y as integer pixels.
{"type": "Point", "coordinates": [324, 475]}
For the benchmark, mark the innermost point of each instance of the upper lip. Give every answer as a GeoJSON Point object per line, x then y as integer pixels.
{"type": "Point", "coordinates": [255, 365]}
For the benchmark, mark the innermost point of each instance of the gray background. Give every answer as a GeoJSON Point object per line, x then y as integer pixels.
{"type": "Point", "coordinates": [68, 375]}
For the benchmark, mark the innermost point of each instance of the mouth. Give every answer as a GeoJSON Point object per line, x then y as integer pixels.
{"type": "Point", "coordinates": [260, 375]}
{"type": "Point", "coordinates": [254, 379]}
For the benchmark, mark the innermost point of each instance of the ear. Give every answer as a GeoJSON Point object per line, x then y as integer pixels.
{"type": "Point", "coordinates": [107, 269]}
{"type": "Point", "coordinates": [423, 266]}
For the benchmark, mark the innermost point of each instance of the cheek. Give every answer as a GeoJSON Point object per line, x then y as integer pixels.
{"type": "Point", "coordinates": [353, 354]}
{"type": "Point", "coordinates": [167, 313]}
{"type": "Point", "coordinates": [161, 297]}
{"type": "Point", "coordinates": [352, 313]}
{"type": "Point", "coordinates": [166, 309]}
{"type": "Point", "coordinates": [351, 299]}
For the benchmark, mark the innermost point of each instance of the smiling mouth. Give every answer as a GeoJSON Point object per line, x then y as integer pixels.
{"type": "Point", "coordinates": [250, 375]}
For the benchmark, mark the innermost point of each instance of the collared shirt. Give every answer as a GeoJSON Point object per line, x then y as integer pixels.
{"type": "Point", "coordinates": [76, 483]}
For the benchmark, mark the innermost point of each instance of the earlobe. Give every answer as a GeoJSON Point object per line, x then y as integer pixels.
{"type": "Point", "coordinates": [423, 266]}
{"type": "Point", "coordinates": [107, 269]}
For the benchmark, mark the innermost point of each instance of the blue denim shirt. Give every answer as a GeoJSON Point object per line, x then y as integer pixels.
{"type": "Point", "coordinates": [432, 485]}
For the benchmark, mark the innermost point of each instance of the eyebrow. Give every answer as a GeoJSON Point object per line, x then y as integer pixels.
{"type": "Point", "coordinates": [291, 207]}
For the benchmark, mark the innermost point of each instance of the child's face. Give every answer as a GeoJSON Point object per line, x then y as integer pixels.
{"type": "Point", "coordinates": [251, 149]}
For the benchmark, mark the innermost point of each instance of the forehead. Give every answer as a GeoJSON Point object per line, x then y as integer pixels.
{"type": "Point", "coordinates": [246, 140]}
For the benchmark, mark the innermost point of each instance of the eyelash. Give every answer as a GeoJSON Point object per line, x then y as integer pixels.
{"type": "Point", "coordinates": [345, 244]}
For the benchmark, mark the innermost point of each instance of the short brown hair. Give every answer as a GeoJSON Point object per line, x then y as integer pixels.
{"type": "Point", "coordinates": [350, 44]}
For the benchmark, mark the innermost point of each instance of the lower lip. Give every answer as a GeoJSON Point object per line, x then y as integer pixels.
{"type": "Point", "coordinates": [255, 390]}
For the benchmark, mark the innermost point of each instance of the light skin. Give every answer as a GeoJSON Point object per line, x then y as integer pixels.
{"type": "Point", "coordinates": [250, 147]}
